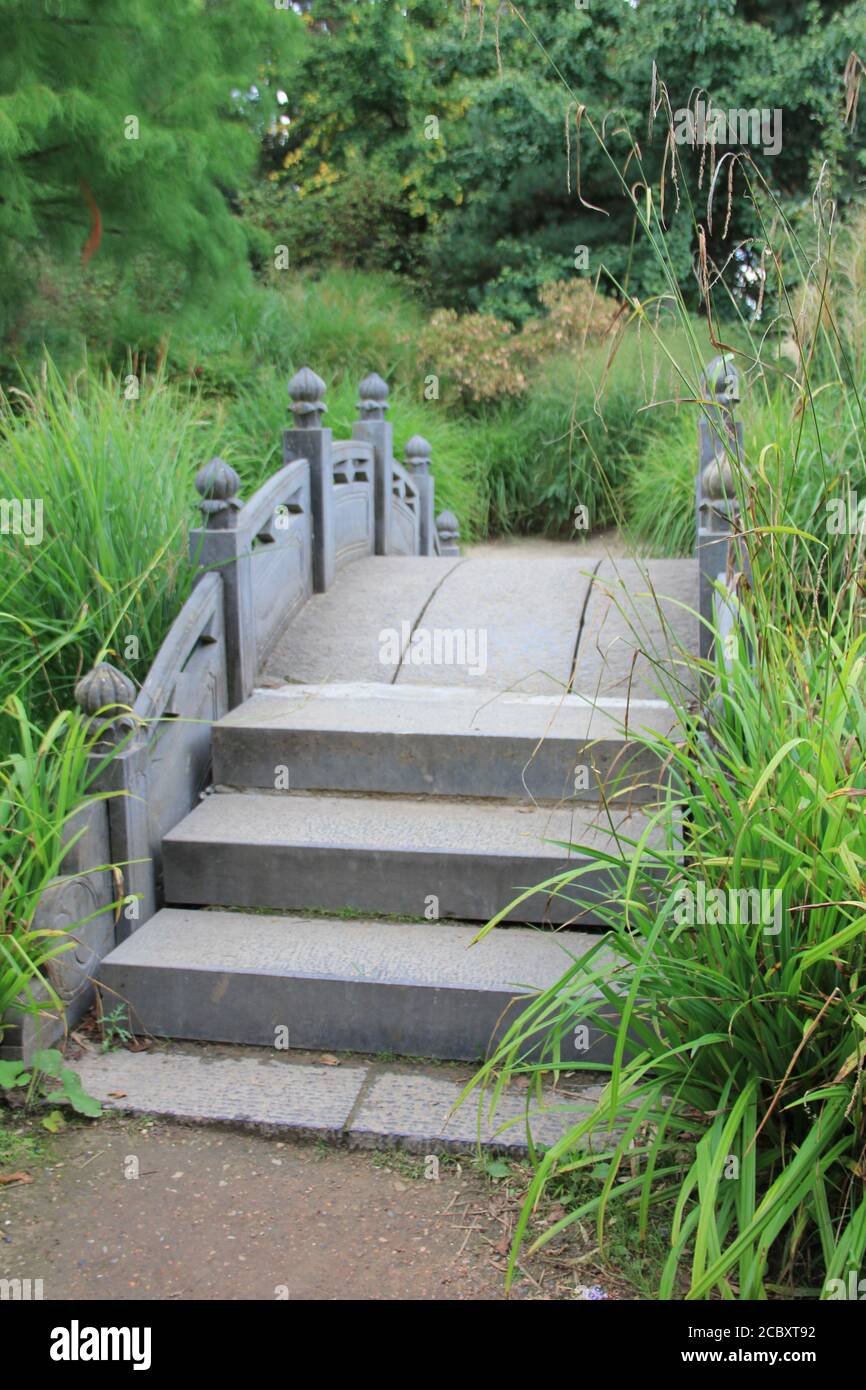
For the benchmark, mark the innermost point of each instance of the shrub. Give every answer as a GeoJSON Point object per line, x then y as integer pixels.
{"type": "Point", "coordinates": [475, 356]}
{"type": "Point", "coordinates": [480, 358]}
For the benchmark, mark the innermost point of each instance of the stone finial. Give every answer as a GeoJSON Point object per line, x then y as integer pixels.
{"type": "Point", "coordinates": [722, 380]}
{"type": "Point", "coordinates": [721, 437]}
{"type": "Point", "coordinates": [373, 393]}
{"type": "Point", "coordinates": [417, 454]}
{"type": "Point", "coordinates": [218, 484]}
{"type": "Point", "coordinates": [448, 530]}
{"type": "Point", "coordinates": [717, 480]}
{"type": "Point", "coordinates": [106, 695]}
{"type": "Point", "coordinates": [307, 395]}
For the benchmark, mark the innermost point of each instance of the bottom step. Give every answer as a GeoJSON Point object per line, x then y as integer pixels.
{"type": "Point", "coordinates": [413, 989]}
{"type": "Point", "coordinates": [358, 1104]}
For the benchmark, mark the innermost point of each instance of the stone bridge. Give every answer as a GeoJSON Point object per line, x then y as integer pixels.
{"type": "Point", "coordinates": [356, 746]}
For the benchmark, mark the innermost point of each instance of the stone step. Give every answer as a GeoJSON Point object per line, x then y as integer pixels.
{"type": "Point", "coordinates": [416, 989]}
{"type": "Point", "coordinates": [359, 1104]}
{"type": "Point", "coordinates": [445, 741]}
{"type": "Point", "coordinates": [391, 856]}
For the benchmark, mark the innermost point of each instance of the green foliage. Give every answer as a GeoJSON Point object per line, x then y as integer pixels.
{"type": "Point", "coordinates": [48, 1079]}
{"type": "Point", "coordinates": [75, 79]}
{"type": "Point", "coordinates": [45, 780]}
{"type": "Point", "coordinates": [484, 196]}
{"type": "Point", "coordinates": [115, 1029]}
{"type": "Point", "coordinates": [114, 479]}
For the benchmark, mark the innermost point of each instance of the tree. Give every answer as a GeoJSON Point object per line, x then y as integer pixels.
{"type": "Point", "coordinates": [126, 126]}
{"type": "Point", "coordinates": [486, 199]}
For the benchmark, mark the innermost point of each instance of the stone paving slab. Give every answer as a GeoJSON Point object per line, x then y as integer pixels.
{"type": "Point", "coordinates": [526, 611]}
{"type": "Point", "coordinates": [336, 636]}
{"type": "Point", "coordinates": [441, 954]}
{"type": "Point", "coordinates": [504, 622]}
{"type": "Point", "coordinates": [397, 824]}
{"type": "Point", "coordinates": [360, 1104]}
{"type": "Point", "coordinates": [417, 1113]}
{"type": "Point", "coordinates": [269, 1093]}
{"type": "Point", "coordinates": [637, 605]}
{"type": "Point", "coordinates": [419, 989]}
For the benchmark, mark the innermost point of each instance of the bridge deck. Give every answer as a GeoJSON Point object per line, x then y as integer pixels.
{"type": "Point", "coordinates": [536, 625]}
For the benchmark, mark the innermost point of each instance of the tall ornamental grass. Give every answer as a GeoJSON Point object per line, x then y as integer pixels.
{"type": "Point", "coordinates": [109, 463]}
{"type": "Point", "coordinates": [730, 975]}
{"type": "Point", "coordinates": [45, 785]}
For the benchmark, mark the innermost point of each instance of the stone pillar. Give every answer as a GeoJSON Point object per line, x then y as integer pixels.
{"type": "Point", "coordinates": [309, 440]}
{"type": "Point", "coordinates": [107, 696]}
{"type": "Point", "coordinates": [448, 531]}
{"type": "Point", "coordinates": [220, 546]}
{"type": "Point", "coordinates": [720, 468]}
{"type": "Point", "coordinates": [374, 429]}
{"type": "Point", "coordinates": [418, 466]}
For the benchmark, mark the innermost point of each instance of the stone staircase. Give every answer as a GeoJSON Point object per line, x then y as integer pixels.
{"type": "Point", "coordinates": [380, 823]}
{"type": "Point", "coordinates": [327, 890]}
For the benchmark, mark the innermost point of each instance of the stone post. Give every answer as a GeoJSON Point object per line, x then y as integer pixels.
{"type": "Point", "coordinates": [107, 696]}
{"type": "Point", "coordinates": [720, 460]}
{"type": "Point", "coordinates": [220, 546]}
{"type": "Point", "coordinates": [374, 429]}
{"type": "Point", "coordinates": [418, 466]}
{"type": "Point", "coordinates": [448, 530]}
{"type": "Point", "coordinates": [308, 439]}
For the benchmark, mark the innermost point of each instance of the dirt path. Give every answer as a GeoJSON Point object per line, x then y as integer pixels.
{"type": "Point", "coordinates": [215, 1214]}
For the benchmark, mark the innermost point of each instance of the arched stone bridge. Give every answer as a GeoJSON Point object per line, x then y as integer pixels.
{"type": "Point", "coordinates": [355, 746]}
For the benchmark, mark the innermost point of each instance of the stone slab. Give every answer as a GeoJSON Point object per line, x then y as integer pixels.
{"type": "Point", "coordinates": [644, 606]}
{"type": "Point", "coordinates": [445, 741]}
{"type": "Point", "coordinates": [387, 855]}
{"type": "Point", "coordinates": [416, 989]}
{"type": "Point", "coordinates": [267, 1092]}
{"type": "Point", "coordinates": [336, 635]}
{"type": "Point", "coordinates": [360, 1104]}
{"type": "Point", "coordinates": [529, 611]}
{"type": "Point", "coordinates": [417, 1112]}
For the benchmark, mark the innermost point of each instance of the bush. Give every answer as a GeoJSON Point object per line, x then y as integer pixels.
{"type": "Point", "coordinates": [479, 358]}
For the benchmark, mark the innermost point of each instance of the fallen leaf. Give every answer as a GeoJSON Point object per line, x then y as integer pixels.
{"type": "Point", "coordinates": [117, 1095]}
{"type": "Point", "coordinates": [7, 1178]}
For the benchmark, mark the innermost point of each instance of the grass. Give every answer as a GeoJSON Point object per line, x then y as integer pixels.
{"type": "Point", "coordinates": [44, 786]}
{"type": "Point", "coordinates": [747, 1043]}
{"type": "Point", "coordinates": [732, 970]}
{"type": "Point", "coordinates": [22, 1145]}
{"type": "Point", "coordinates": [114, 478]}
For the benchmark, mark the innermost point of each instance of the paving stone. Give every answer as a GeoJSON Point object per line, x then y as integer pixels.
{"type": "Point", "coordinates": [271, 1093]}
{"type": "Point", "coordinates": [389, 854]}
{"type": "Point", "coordinates": [416, 1112]}
{"type": "Point", "coordinates": [525, 612]}
{"type": "Point", "coordinates": [366, 1105]}
{"type": "Point", "coordinates": [336, 635]}
{"type": "Point", "coordinates": [638, 606]}
{"type": "Point", "coordinates": [420, 989]}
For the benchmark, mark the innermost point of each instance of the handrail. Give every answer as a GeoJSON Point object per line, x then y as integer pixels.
{"type": "Point", "coordinates": [257, 514]}
{"type": "Point", "coordinates": [191, 626]}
